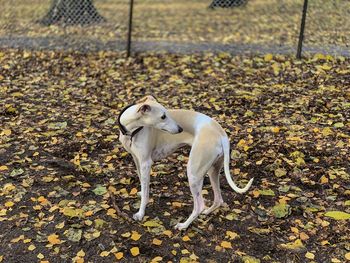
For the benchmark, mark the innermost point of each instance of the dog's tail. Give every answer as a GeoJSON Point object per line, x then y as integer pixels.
{"type": "Point", "coordinates": [226, 149]}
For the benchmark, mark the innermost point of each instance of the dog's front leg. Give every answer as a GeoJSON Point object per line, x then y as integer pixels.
{"type": "Point", "coordinates": [145, 170]}
{"type": "Point", "coordinates": [137, 164]}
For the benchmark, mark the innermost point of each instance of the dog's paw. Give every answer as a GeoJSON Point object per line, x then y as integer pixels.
{"type": "Point", "coordinates": [181, 226]}
{"type": "Point", "coordinates": [138, 216]}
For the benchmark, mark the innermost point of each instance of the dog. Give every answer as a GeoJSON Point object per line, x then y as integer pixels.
{"type": "Point", "coordinates": [150, 132]}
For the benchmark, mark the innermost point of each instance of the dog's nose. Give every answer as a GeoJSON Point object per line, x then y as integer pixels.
{"type": "Point", "coordinates": [180, 129]}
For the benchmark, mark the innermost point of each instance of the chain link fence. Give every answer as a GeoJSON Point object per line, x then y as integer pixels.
{"type": "Point", "coordinates": [238, 26]}
{"type": "Point", "coordinates": [328, 27]}
{"type": "Point", "coordinates": [64, 24]}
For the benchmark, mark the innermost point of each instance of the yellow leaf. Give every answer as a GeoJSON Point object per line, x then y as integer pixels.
{"type": "Point", "coordinates": [226, 244]}
{"type": "Point", "coordinates": [151, 223]}
{"type": "Point", "coordinates": [185, 251]}
{"type": "Point", "coordinates": [135, 236]}
{"type": "Point", "coordinates": [303, 236]}
{"type": "Point", "coordinates": [176, 204]}
{"type": "Point", "coordinates": [294, 230]}
{"type": "Point", "coordinates": [327, 131]}
{"type": "Point", "coordinates": [108, 158]}
{"type": "Point", "coordinates": [40, 256]}
{"type": "Point", "coordinates": [104, 253]}
{"type": "Point", "coordinates": [135, 251]}
{"type": "Point", "coordinates": [9, 204]}
{"type": "Point", "coordinates": [276, 69]}
{"type": "Point", "coordinates": [53, 239]}
{"type": "Point", "coordinates": [338, 215]}
{"type": "Point", "coordinates": [81, 253]}
{"type": "Point", "coordinates": [79, 260]}
{"type": "Point", "coordinates": [126, 234]}
{"type": "Point", "coordinates": [3, 168]}
{"type": "Point", "coordinates": [6, 132]}
{"type": "Point", "coordinates": [89, 213]}
{"type": "Point", "coordinates": [157, 259]}
{"type": "Point", "coordinates": [347, 256]}
{"type": "Point", "coordinates": [96, 234]}
{"type": "Point", "coordinates": [31, 247]}
{"type": "Point", "coordinates": [297, 244]}
{"type": "Point", "coordinates": [133, 191]}
{"type": "Point", "coordinates": [60, 225]}
{"type": "Point", "coordinates": [157, 242]}
{"type": "Point", "coordinates": [319, 56]}
{"type": "Point", "coordinates": [324, 180]}
{"type": "Point", "coordinates": [119, 255]}
{"type": "Point", "coordinates": [256, 193]}
{"type": "Point", "coordinates": [309, 255]}
{"type": "Point", "coordinates": [268, 57]}
{"type": "Point", "coordinates": [275, 129]}
{"type": "Point", "coordinates": [186, 238]}
{"type": "Point", "coordinates": [15, 240]}
{"type": "Point", "coordinates": [54, 140]}
{"type": "Point", "coordinates": [167, 233]}
{"type": "Point", "coordinates": [231, 235]}
{"type": "Point", "coordinates": [111, 212]}
{"type": "Point", "coordinates": [42, 200]}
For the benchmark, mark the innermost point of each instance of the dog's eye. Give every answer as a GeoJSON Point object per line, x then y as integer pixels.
{"type": "Point", "coordinates": [163, 117]}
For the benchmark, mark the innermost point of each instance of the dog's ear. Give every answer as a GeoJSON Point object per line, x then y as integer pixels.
{"type": "Point", "coordinates": [144, 108]}
{"type": "Point", "coordinates": [148, 97]}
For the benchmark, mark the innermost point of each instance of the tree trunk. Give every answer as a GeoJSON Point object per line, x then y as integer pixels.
{"type": "Point", "coordinates": [227, 3]}
{"type": "Point", "coordinates": [72, 12]}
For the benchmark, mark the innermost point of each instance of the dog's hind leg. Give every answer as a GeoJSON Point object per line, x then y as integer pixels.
{"type": "Point", "coordinates": [196, 183]}
{"type": "Point", "coordinates": [203, 154]}
{"type": "Point", "coordinates": [214, 175]}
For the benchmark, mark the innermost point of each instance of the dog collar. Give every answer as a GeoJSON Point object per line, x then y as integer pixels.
{"type": "Point", "coordinates": [123, 128]}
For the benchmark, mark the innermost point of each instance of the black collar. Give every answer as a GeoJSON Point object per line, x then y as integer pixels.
{"type": "Point", "coordinates": [123, 128]}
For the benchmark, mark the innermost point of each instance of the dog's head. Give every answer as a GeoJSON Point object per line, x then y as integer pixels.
{"type": "Point", "coordinates": [153, 114]}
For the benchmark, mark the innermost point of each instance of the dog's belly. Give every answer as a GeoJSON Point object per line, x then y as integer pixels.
{"type": "Point", "coordinates": [164, 151]}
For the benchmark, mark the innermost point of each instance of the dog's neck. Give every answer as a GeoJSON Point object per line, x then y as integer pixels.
{"type": "Point", "coordinates": [126, 124]}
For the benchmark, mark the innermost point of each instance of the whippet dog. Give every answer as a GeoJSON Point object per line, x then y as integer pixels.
{"type": "Point", "coordinates": [149, 132]}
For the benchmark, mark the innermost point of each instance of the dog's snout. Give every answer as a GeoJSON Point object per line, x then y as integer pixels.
{"type": "Point", "coordinates": [180, 129]}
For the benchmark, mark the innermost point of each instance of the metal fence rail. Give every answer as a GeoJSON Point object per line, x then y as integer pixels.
{"type": "Point", "coordinates": [254, 26]}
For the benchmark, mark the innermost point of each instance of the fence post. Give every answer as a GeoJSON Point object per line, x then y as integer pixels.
{"type": "Point", "coordinates": [128, 47]}
{"type": "Point", "coordinates": [302, 28]}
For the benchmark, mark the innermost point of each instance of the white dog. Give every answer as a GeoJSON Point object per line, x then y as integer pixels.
{"type": "Point", "coordinates": [149, 133]}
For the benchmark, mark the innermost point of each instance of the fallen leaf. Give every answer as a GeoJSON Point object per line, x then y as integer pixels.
{"type": "Point", "coordinates": [310, 255]}
{"type": "Point", "coordinates": [100, 190]}
{"type": "Point", "coordinates": [157, 242]}
{"type": "Point", "coordinates": [226, 244]}
{"type": "Point", "coordinates": [135, 236]}
{"type": "Point", "coordinates": [119, 255]}
{"type": "Point", "coordinates": [281, 210]}
{"type": "Point", "coordinates": [31, 247]}
{"type": "Point", "coordinates": [186, 238]}
{"type": "Point", "coordinates": [53, 239]}
{"type": "Point", "coordinates": [3, 168]}
{"type": "Point", "coordinates": [296, 245]}
{"type": "Point", "coordinates": [135, 251]}
{"type": "Point", "coordinates": [338, 215]}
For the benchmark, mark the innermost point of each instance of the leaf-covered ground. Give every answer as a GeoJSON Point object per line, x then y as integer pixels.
{"type": "Point", "coordinates": [63, 173]}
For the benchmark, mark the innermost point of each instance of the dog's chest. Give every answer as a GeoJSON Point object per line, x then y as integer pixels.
{"type": "Point", "coordinates": [125, 141]}
{"type": "Point", "coordinates": [164, 151]}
